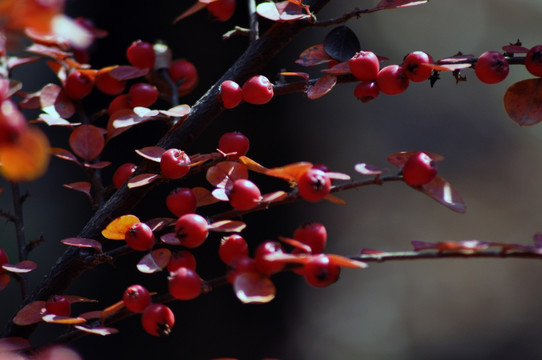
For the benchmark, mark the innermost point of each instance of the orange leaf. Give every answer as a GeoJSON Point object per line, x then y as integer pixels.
{"type": "Point", "coordinates": [110, 310]}
{"type": "Point", "coordinates": [523, 102]}
{"type": "Point", "coordinates": [253, 165]}
{"type": "Point", "coordinates": [67, 320]}
{"type": "Point", "coordinates": [289, 172]}
{"type": "Point", "coordinates": [27, 159]}
{"type": "Point", "coordinates": [321, 87]}
{"type": "Point", "coordinates": [118, 227]}
{"type": "Point", "coordinates": [346, 262]}
{"type": "Point", "coordinates": [87, 142]}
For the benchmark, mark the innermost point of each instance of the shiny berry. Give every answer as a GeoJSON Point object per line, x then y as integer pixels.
{"type": "Point", "coordinates": [491, 67]}
{"type": "Point", "coordinates": [320, 272]}
{"type": "Point", "coordinates": [185, 74]}
{"type": "Point", "coordinates": [141, 54]}
{"type": "Point", "coordinates": [221, 10]}
{"type": "Point", "coordinates": [158, 320]}
{"type": "Point", "coordinates": [136, 298]}
{"type": "Point", "coordinates": [231, 94]}
{"type": "Point", "coordinates": [234, 144]}
{"type": "Point", "coordinates": [257, 90]}
{"type": "Point", "coordinates": [312, 234]}
{"type": "Point", "coordinates": [533, 60]}
{"type": "Point", "coordinates": [184, 284]}
{"type": "Point", "coordinates": [174, 163]}
{"type": "Point", "coordinates": [58, 305]}
{"type": "Point", "coordinates": [182, 258]}
{"type": "Point", "coordinates": [120, 102]}
{"type": "Point", "coordinates": [191, 230]}
{"type": "Point", "coordinates": [140, 237]}
{"type": "Point", "coordinates": [78, 85]}
{"type": "Point", "coordinates": [142, 94]}
{"type": "Point", "coordinates": [392, 80]}
{"type": "Point", "coordinates": [364, 65]}
{"type": "Point", "coordinates": [181, 201]}
{"type": "Point", "coordinates": [413, 67]}
{"type": "Point", "coordinates": [240, 265]}
{"type": "Point", "coordinates": [123, 172]}
{"type": "Point", "coordinates": [108, 84]}
{"type": "Point", "coordinates": [264, 266]}
{"type": "Point", "coordinates": [419, 169]}
{"type": "Point", "coordinates": [366, 91]}
{"type": "Point", "coordinates": [313, 185]}
{"type": "Point", "coordinates": [244, 194]}
{"type": "Point", "coordinates": [232, 247]}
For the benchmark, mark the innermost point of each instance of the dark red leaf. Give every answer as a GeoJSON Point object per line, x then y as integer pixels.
{"type": "Point", "coordinates": [441, 191]}
{"type": "Point", "coordinates": [341, 43]}
{"type": "Point", "coordinates": [142, 180]}
{"type": "Point", "coordinates": [22, 267]}
{"type": "Point", "coordinates": [65, 155]}
{"type": "Point", "coordinates": [399, 159]}
{"type": "Point", "coordinates": [98, 165]}
{"type": "Point", "coordinates": [523, 102]}
{"type": "Point", "coordinates": [54, 101]}
{"type": "Point", "coordinates": [515, 49]}
{"type": "Point", "coordinates": [315, 55]}
{"type": "Point", "coordinates": [321, 87]}
{"type": "Point", "coordinates": [126, 72]}
{"type": "Point", "coordinates": [338, 69]}
{"type": "Point", "coordinates": [87, 142]}
{"type": "Point", "coordinates": [82, 242]}
{"type": "Point", "coordinates": [30, 313]}
{"type": "Point", "coordinates": [153, 153]}
{"type": "Point", "coordinates": [170, 239]}
{"type": "Point", "coordinates": [82, 186]}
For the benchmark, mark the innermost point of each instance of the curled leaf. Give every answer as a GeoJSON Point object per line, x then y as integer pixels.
{"type": "Point", "coordinates": [177, 111]}
{"type": "Point", "coordinates": [64, 155]}
{"type": "Point", "coordinates": [366, 169]}
{"type": "Point", "coordinates": [141, 180]}
{"type": "Point", "coordinates": [153, 153]}
{"type": "Point", "coordinates": [315, 55]}
{"type": "Point", "coordinates": [82, 242]}
{"type": "Point", "coordinates": [321, 87]}
{"type": "Point", "coordinates": [103, 331]}
{"type": "Point", "coordinates": [226, 171]}
{"type": "Point", "coordinates": [154, 261]}
{"type": "Point", "coordinates": [443, 192]}
{"type": "Point", "coordinates": [281, 11]}
{"type": "Point", "coordinates": [254, 288]}
{"type": "Point", "coordinates": [66, 320]}
{"type": "Point", "coordinates": [118, 227]}
{"type": "Point", "coordinates": [21, 267]}
{"type": "Point", "coordinates": [227, 226]}
{"type": "Point", "coordinates": [82, 186]}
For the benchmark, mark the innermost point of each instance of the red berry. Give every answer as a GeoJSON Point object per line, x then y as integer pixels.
{"type": "Point", "coordinates": [122, 174]}
{"type": "Point", "coordinates": [533, 60]}
{"type": "Point", "coordinates": [58, 305]}
{"type": "Point", "coordinates": [120, 102]}
{"type": "Point", "coordinates": [192, 230]}
{"type": "Point", "coordinates": [240, 265]}
{"type": "Point", "coordinates": [107, 83]}
{"type": "Point", "coordinates": [141, 54]}
{"type": "Point", "coordinates": [181, 201]}
{"type": "Point", "coordinates": [392, 80]}
{"type": "Point", "coordinates": [257, 90]}
{"type": "Point", "coordinates": [231, 94]}
{"type": "Point", "coordinates": [12, 123]}
{"type": "Point", "coordinates": [364, 65]}
{"type": "Point", "coordinates": [140, 237]}
{"type": "Point", "coordinates": [321, 272]}
{"type": "Point", "coordinates": [143, 94]}
{"type": "Point", "coordinates": [174, 163]}
{"type": "Point", "coordinates": [221, 10]}
{"type": "Point", "coordinates": [366, 91]}
{"type": "Point", "coordinates": [491, 67]}
{"type": "Point", "coordinates": [158, 320]}
{"type": "Point", "coordinates": [182, 258]}
{"type": "Point", "coordinates": [234, 142]}
{"type": "Point", "coordinates": [232, 247]}
{"type": "Point", "coordinates": [313, 185]}
{"type": "Point", "coordinates": [264, 266]}
{"type": "Point", "coordinates": [78, 85]}
{"type": "Point", "coordinates": [185, 74]}
{"type": "Point", "coordinates": [136, 298]}
{"type": "Point", "coordinates": [244, 194]}
{"type": "Point", "coordinates": [419, 169]}
{"type": "Point", "coordinates": [312, 234]}
{"type": "Point", "coordinates": [184, 284]}
{"type": "Point", "coordinates": [413, 67]}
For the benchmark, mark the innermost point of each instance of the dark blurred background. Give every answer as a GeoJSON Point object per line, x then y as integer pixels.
{"type": "Point", "coordinates": [446, 309]}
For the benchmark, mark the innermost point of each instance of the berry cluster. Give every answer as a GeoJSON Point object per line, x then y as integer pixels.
{"type": "Point", "coordinates": [257, 90]}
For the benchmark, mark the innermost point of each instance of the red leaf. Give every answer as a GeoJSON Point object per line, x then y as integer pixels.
{"type": "Point", "coordinates": [515, 49]}
{"type": "Point", "coordinates": [141, 180]}
{"type": "Point", "coordinates": [155, 261]}
{"type": "Point", "coordinates": [153, 153]}
{"type": "Point", "coordinates": [203, 196]}
{"type": "Point", "coordinates": [54, 101]}
{"type": "Point", "coordinates": [83, 242]}
{"type": "Point", "coordinates": [158, 224]}
{"type": "Point", "coordinates": [30, 313]}
{"type": "Point", "coordinates": [441, 191]}
{"type": "Point", "coordinates": [4, 281]}
{"type": "Point", "coordinates": [87, 142]}
{"type": "Point", "coordinates": [338, 69]}
{"type": "Point", "coordinates": [254, 288]}
{"type": "Point", "coordinates": [274, 196]}
{"type": "Point", "coordinates": [192, 10]}
{"type": "Point", "coordinates": [22, 267]}
{"type": "Point", "coordinates": [346, 262]}
{"type": "Point", "coordinates": [523, 102]}
{"type": "Point", "coordinates": [298, 74]}
{"type": "Point", "coordinates": [98, 165]}
{"type": "Point", "coordinates": [315, 55]}
{"type": "Point", "coordinates": [81, 186]}
{"type": "Point", "coordinates": [225, 171]}
{"type": "Point", "coordinates": [392, 4]}
{"type": "Point", "coordinates": [170, 239]}
{"type": "Point", "coordinates": [227, 226]}
{"type": "Point", "coordinates": [64, 154]}
{"type": "Point", "coordinates": [447, 67]}
{"type": "Point", "coordinates": [126, 72]}
{"type": "Point", "coordinates": [296, 244]}
{"type": "Point", "coordinates": [321, 87]}
{"type": "Point", "coordinates": [399, 159]}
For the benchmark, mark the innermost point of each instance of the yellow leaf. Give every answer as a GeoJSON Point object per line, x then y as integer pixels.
{"type": "Point", "coordinates": [118, 227]}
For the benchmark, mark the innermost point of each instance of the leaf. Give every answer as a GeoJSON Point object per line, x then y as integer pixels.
{"type": "Point", "coordinates": [141, 180]}
{"type": "Point", "coordinates": [451, 246]}
{"type": "Point", "coordinates": [281, 11]}
{"type": "Point", "coordinates": [296, 244]}
{"type": "Point", "coordinates": [158, 224]}
{"type": "Point", "coordinates": [274, 196]}
{"type": "Point", "coordinates": [366, 169]}
{"type": "Point", "coordinates": [321, 87]}
{"type": "Point", "coordinates": [97, 330]}
{"type": "Point", "coordinates": [22, 267]}
{"type": "Point", "coordinates": [523, 102]}
{"type": "Point", "coordinates": [64, 154]}
{"type": "Point", "coordinates": [126, 72]}
{"type": "Point", "coordinates": [76, 299]}
{"type": "Point", "coordinates": [30, 314]}
{"type": "Point", "coordinates": [118, 227]}
{"type": "Point", "coordinates": [81, 186]}
{"type": "Point", "coordinates": [97, 165]}
{"type": "Point", "coordinates": [341, 43]}
{"type": "Point", "coordinates": [87, 142]}
{"type": "Point", "coordinates": [177, 111]}
{"type": "Point", "coordinates": [515, 49]}
{"type": "Point", "coordinates": [393, 4]}
{"type": "Point", "coordinates": [443, 192]}
{"type": "Point", "coordinates": [447, 67]}
{"type": "Point", "coordinates": [82, 242]}
{"type": "Point", "coordinates": [144, 112]}
{"type": "Point", "coordinates": [254, 288]}
{"type": "Point", "coordinates": [191, 10]}
{"type": "Point", "coordinates": [338, 69]}
{"type": "Point", "coordinates": [220, 194]}
{"type": "Point", "coordinates": [66, 320]}
{"type": "Point", "coordinates": [399, 159]}
{"type": "Point", "coordinates": [203, 196]}
{"type": "Point", "coordinates": [334, 199]}
{"type": "Point", "coordinates": [54, 102]}
{"type": "Point", "coordinates": [345, 262]}
{"type": "Point", "coordinates": [170, 239]}
{"type": "Point", "coordinates": [315, 55]}
{"type": "Point", "coordinates": [225, 171]}
{"type": "Point", "coordinates": [154, 261]}
{"type": "Point", "coordinates": [153, 153]}
{"type": "Point", "coordinates": [337, 175]}
{"type": "Point", "coordinates": [297, 74]}
{"type": "Point", "coordinates": [290, 172]}
{"type": "Point", "coordinates": [28, 158]}
{"type": "Point", "coordinates": [227, 226]}
{"type": "Point", "coordinates": [253, 165]}
{"type": "Point", "coordinates": [55, 121]}
{"type": "Point", "coordinates": [4, 281]}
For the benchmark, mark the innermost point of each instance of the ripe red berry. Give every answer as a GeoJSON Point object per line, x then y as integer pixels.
{"type": "Point", "coordinates": [221, 10]}
{"type": "Point", "coordinates": [158, 320]}
{"type": "Point", "coordinates": [181, 201]}
{"type": "Point", "coordinates": [120, 102]}
{"type": "Point", "coordinates": [108, 84]}
{"type": "Point", "coordinates": [141, 54]}
{"type": "Point", "coordinates": [12, 123]}
{"type": "Point", "coordinates": [142, 94]}
{"type": "Point", "coordinates": [392, 80]}
{"type": "Point", "coordinates": [257, 90]}
{"type": "Point", "coordinates": [312, 234]}
{"type": "Point", "coordinates": [366, 91]}
{"type": "Point", "coordinates": [78, 85]}
{"type": "Point", "coordinates": [419, 169]}
{"type": "Point", "coordinates": [136, 298]}
{"type": "Point", "coordinates": [313, 185]}
{"type": "Point", "coordinates": [232, 247]}
{"type": "Point", "coordinates": [123, 172]}
{"type": "Point", "coordinates": [182, 258]}
{"type": "Point", "coordinates": [321, 272]}
{"type": "Point", "coordinates": [413, 67]}
{"type": "Point", "coordinates": [184, 284]}
{"type": "Point", "coordinates": [140, 237]}
{"type": "Point", "coordinates": [264, 266]}
{"type": "Point", "coordinates": [491, 67]}
{"type": "Point", "coordinates": [234, 142]}
{"type": "Point", "coordinates": [244, 194]}
{"type": "Point", "coordinates": [192, 230]}
{"type": "Point", "coordinates": [231, 94]}
{"type": "Point", "coordinates": [533, 60]}
{"type": "Point", "coordinates": [185, 74]}
{"type": "Point", "coordinates": [174, 164]}
{"type": "Point", "coordinates": [364, 65]}
{"type": "Point", "coordinates": [58, 305]}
